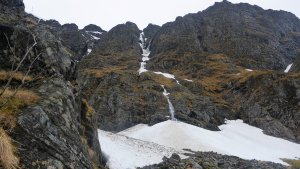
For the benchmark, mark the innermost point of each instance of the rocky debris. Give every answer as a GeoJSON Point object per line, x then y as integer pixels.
{"type": "Point", "coordinates": [207, 160]}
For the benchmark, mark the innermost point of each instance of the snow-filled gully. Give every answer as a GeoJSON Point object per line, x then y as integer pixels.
{"type": "Point", "coordinates": [145, 58]}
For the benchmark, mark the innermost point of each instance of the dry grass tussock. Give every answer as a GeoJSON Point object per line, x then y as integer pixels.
{"type": "Point", "coordinates": [89, 109]}
{"type": "Point", "coordinates": [294, 164]}
{"type": "Point", "coordinates": [8, 158]}
{"type": "Point", "coordinates": [98, 73]}
{"type": "Point", "coordinates": [5, 75]}
{"type": "Point", "coordinates": [12, 102]}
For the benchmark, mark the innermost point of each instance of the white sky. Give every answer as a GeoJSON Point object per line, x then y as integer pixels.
{"type": "Point", "coordinates": [109, 13]}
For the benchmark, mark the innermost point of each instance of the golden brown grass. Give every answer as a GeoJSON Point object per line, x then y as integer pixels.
{"type": "Point", "coordinates": [8, 158]}
{"type": "Point", "coordinates": [11, 103]}
{"type": "Point", "coordinates": [5, 75]}
{"type": "Point", "coordinates": [98, 73]}
{"type": "Point", "coordinates": [295, 164]}
{"type": "Point", "coordinates": [89, 109]}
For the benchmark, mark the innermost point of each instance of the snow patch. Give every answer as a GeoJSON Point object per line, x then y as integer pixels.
{"type": "Point", "coordinates": [235, 138]}
{"type": "Point", "coordinates": [125, 152]}
{"type": "Point", "coordinates": [288, 68]}
{"type": "Point", "coordinates": [167, 75]}
{"type": "Point", "coordinates": [95, 37]}
{"type": "Point", "coordinates": [89, 51]}
{"type": "Point", "coordinates": [249, 70]}
{"type": "Point", "coordinates": [95, 32]}
{"type": "Point", "coordinates": [188, 80]}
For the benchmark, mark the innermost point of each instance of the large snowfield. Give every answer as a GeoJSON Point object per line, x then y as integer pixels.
{"type": "Point", "coordinates": [144, 145]}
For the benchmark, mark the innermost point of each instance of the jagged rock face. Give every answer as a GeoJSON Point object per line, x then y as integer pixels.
{"type": "Point", "coordinates": [73, 39]}
{"type": "Point", "coordinates": [270, 101]}
{"type": "Point", "coordinates": [56, 132]}
{"type": "Point", "coordinates": [149, 32]}
{"type": "Point", "coordinates": [251, 36]}
{"type": "Point", "coordinates": [13, 3]}
{"type": "Point", "coordinates": [120, 38]}
{"type": "Point", "coordinates": [119, 47]}
{"type": "Point", "coordinates": [110, 80]}
{"type": "Point", "coordinates": [48, 132]}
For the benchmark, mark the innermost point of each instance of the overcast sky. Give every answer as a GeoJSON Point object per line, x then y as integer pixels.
{"type": "Point", "coordinates": [108, 13]}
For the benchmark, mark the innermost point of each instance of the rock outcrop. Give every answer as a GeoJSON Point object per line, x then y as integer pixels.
{"type": "Point", "coordinates": [208, 160]}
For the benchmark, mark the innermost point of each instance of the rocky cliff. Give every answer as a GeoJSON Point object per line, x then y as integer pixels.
{"type": "Point", "coordinates": [51, 124]}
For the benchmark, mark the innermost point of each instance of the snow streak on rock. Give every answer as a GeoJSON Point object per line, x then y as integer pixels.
{"type": "Point", "coordinates": [171, 107]}
{"type": "Point", "coordinates": [288, 68]}
{"type": "Point", "coordinates": [188, 80]}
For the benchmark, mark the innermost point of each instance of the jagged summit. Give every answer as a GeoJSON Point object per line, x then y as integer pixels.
{"type": "Point", "coordinates": [92, 27]}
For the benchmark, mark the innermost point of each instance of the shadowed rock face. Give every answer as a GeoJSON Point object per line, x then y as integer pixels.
{"type": "Point", "coordinates": [149, 32]}
{"type": "Point", "coordinates": [92, 27]}
{"type": "Point", "coordinates": [250, 36]}
{"type": "Point", "coordinates": [13, 3]}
